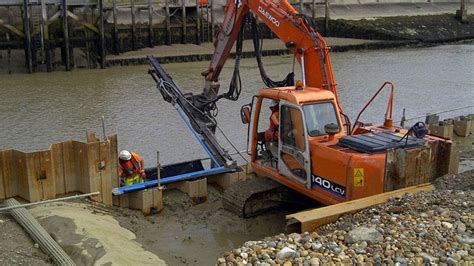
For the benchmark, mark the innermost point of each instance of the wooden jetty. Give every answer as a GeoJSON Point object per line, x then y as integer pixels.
{"type": "Point", "coordinates": [93, 27]}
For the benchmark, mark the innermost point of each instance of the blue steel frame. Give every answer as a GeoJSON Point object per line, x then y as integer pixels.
{"type": "Point", "coordinates": [183, 177]}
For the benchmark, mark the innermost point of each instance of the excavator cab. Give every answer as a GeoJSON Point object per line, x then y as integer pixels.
{"type": "Point", "coordinates": [304, 115]}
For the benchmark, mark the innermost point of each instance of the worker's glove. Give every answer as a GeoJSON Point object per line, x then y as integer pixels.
{"type": "Point", "coordinates": [142, 174]}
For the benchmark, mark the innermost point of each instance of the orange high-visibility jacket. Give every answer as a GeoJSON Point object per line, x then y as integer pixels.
{"type": "Point", "coordinates": [272, 133]}
{"type": "Point", "coordinates": [135, 164]}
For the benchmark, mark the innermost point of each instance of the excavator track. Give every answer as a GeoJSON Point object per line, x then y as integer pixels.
{"type": "Point", "coordinates": [257, 195]}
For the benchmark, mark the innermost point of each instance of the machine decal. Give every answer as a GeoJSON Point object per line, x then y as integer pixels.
{"type": "Point", "coordinates": [358, 177]}
{"type": "Point", "coordinates": [328, 185]}
{"type": "Point", "coordinates": [269, 16]}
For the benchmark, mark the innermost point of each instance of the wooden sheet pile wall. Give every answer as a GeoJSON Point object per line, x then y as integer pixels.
{"type": "Point", "coordinates": [70, 166]}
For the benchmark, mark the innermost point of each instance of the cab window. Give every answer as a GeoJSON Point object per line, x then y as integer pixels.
{"type": "Point", "coordinates": [318, 115]}
{"type": "Point", "coordinates": [292, 127]}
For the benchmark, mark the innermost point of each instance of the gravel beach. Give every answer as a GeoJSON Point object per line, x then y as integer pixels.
{"type": "Point", "coordinates": [427, 227]}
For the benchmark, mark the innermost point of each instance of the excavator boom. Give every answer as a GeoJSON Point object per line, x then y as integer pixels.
{"type": "Point", "coordinates": [295, 31]}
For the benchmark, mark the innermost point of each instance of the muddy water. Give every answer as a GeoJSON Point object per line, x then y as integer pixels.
{"type": "Point", "coordinates": [39, 109]}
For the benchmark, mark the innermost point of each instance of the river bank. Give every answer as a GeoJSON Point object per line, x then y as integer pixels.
{"type": "Point", "coordinates": [359, 34]}
{"type": "Point", "coordinates": [359, 27]}
{"type": "Point", "coordinates": [203, 234]}
{"type": "Point", "coordinates": [422, 228]}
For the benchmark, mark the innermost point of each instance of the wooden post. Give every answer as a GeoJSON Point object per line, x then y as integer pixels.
{"type": "Point", "coordinates": [168, 26]}
{"type": "Point", "coordinates": [158, 169]}
{"type": "Point", "coordinates": [198, 24]}
{"type": "Point", "coordinates": [212, 20]}
{"type": "Point", "coordinates": [313, 9]}
{"type": "Point", "coordinates": [115, 34]}
{"type": "Point", "coordinates": [44, 24]}
{"type": "Point", "coordinates": [326, 17]}
{"type": "Point", "coordinates": [67, 61]}
{"type": "Point", "coordinates": [183, 12]}
{"type": "Point", "coordinates": [102, 34]}
{"type": "Point", "coordinates": [26, 29]}
{"type": "Point", "coordinates": [9, 51]}
{"type": "Point", "coordinates": [461, 14]}
{"type": "Point", "coordinates": [132, 10]}
{"type": "Point", "coordinates": [150, 24]}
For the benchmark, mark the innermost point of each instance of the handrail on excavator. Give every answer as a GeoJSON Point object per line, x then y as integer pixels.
{"type": "Point", "coordinates": [388, 114]}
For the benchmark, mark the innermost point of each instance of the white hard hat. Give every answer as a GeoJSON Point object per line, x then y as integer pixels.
{"type": "Point", "coordinates": [125, 155]}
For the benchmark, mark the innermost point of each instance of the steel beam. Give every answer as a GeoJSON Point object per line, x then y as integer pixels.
{"type": "Point", "coordinates": [115, 34]}
{"type": "Point", "coordinates": [67, 57]}
{"type": "Point", "coordinates": [132, 10]}
{"type": "Point", "coordinates": [46, 43]}
{"type": "Point", "coordinates": [27, 39]}
{"type": "Point", "coordinates": [168, 23]}
{"type": "Point", "coordinates": [150, 23]}
{"type": "Point", "coordinates": [48, 2]}
{"type": "Point", "coordinates": [102, 34]}
{"type": "Point", "coordinates": [171, 179]}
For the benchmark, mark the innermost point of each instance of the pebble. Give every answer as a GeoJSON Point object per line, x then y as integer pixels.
{"type": "Point", "coordinates": [331, 245]}
{"type": "Point", "coordinates": [370, 235]}
{"type": "Point", "coordinates": [447, 225]}
{"type": "Point", "coordinates": [401, 260]}
{"type": "Point", "coordinates": [461, 228]}
{"type": "Point", "coordinates": [285, 253]}
{"type": "Point", "coordinates": [316, 246]}
{"type": "Point", "coordinates": [423, 228]}
{"type": "Point", "coordinates": [314, 262]}
{"type": "Point", "coordinates": [451, 261]}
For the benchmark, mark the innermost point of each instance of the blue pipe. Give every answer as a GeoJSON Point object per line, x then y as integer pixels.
{"type": "Point", "coordinates": [198, 137]}
{"type": "Point", "coordinates": [168, 180]}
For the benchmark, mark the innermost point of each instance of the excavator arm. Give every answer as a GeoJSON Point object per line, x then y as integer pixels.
{"type": "Point", "coordinates": [292, 28]}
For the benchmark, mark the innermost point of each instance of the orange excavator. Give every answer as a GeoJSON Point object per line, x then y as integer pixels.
{"type": "Point", "coordinates": [318, 152]}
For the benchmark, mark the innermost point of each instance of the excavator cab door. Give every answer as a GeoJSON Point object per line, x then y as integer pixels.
{"type": "Point", "coordinates": [293, 147]}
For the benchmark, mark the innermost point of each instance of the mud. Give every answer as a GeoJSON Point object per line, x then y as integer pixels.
{"type": "Point", "coordinates": [182, 234]}
{"type": "Point", "coordinates": [91, 236]}
{"type": "Point", "coordinates": [425, 29]}
{"type": "Point", "coordinates": [196, 235]}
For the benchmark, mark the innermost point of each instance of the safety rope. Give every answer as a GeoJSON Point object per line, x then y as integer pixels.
{"type": "Point", "coordinates": [231, 144]}
{"type": "Point", "coordinates": [437, 113]}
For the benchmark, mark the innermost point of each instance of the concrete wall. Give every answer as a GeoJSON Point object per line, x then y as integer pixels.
{"type": "Point", "coordinates": [361, 2]}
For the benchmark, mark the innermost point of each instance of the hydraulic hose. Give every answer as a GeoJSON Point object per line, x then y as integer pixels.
{"type": "Point", "coordinates": [39, 235]}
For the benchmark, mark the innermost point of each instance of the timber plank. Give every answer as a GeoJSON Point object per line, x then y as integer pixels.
{"type": "Point", "coordinates": [157, 199]}
{"type": "Point", "coordinates": [33, 172]}
{"type": "Point", "coordinates": [105, 173]}
{"type": "Point", "coordinates": [57, 158]}
{"type": "Point", "coordinates": [411, 165]}
{"type": "Point", "coordinates": [10, 178]}
{"type": "Point", "coordinates": [92, 183]}
{"type": "Point", "coordinates": [20, 173]}
{"type": "Point", "coordinates": [114, 161]}
{"type": "Point", "coordinates": [81, 171]}
{"type": "Point", "coordinates": [311, 219]}
{"type": "Point", "coordinates": [48, 183]}
{"type": "Point", "coordinates": [69, 165]}
{"type": "Point", "coordinates": [90, 136]}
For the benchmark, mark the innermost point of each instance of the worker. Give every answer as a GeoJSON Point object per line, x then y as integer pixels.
{"type": "Point", "coordinates": [130, 168]}
{"type": "Point", "coordinates": [272, 134]}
